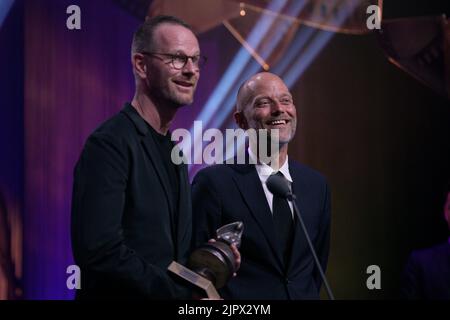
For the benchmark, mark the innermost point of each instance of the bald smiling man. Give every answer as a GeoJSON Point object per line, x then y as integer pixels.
{"type": "Point", "coordinates": [276, 262]}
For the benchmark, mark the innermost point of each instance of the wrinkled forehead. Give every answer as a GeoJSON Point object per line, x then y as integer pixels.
{"type": "Point", "coordinates": [175, 38]}
{"type": "Point", "coordinates": [274, 86]}
{"type": "Point", "coordinates": [262, 84]}
{"type": "Point", "coordinates": [266, 85]}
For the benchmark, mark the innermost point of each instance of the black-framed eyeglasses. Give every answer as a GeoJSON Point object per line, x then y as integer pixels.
{"type": "Point", "coordinates": [178, 61]}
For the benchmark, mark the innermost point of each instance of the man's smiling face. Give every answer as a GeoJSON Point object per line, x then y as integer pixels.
{"type": "Point", "coordinates": [175, 86]}
{"type": "Point", "coordinates": [267, 104]}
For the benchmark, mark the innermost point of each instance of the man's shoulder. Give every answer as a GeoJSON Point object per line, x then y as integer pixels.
{"type": "Point", "coordinates": [305, 172]}
{"type": "Point", "coordinates": [117, 127]}
{"type": "Point", "coordinates": [215, 171]}
{"type": "Point", "coordinates": [228, 169]}
{"type": "Point", "coordinates": [221, 174]}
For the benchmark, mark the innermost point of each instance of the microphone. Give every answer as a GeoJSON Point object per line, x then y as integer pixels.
{"type": "Point", "coordinates": [279, 186]}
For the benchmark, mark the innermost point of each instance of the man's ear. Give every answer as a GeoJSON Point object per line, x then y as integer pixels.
{"type": "Point", "coordinates": [240, 120]}
{"type": "Point", "coordinates": [139, 66]}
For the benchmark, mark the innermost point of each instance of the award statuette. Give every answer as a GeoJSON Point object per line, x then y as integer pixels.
{"type": "Point", "coordinates": [211, 265]}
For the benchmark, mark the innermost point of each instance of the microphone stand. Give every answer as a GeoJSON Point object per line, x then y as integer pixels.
{"type": "Point", "coordinates": [291, 197]}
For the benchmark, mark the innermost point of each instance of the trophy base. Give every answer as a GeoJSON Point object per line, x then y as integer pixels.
{"type": "Point", "coordinates": [195, 279]}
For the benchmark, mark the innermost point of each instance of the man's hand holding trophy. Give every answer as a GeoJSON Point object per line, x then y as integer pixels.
{"type": "Point", "coordinates": [211, 265]}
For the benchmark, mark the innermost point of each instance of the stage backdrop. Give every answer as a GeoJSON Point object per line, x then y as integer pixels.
{"type": "Point", "coordinates": [381, 138]}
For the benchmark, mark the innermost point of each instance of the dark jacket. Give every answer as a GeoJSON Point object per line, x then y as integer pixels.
{"type": "Point", "coordinates": [125, 228]}
{"type": "Point", "coordinates": [227, 193]}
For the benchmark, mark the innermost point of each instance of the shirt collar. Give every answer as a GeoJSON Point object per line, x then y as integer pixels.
{"type": "Point", "coordinates": [264, 170]}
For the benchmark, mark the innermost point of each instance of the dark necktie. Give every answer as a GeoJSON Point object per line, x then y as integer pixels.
{"type": "Point", "coordinates": [283, 223]}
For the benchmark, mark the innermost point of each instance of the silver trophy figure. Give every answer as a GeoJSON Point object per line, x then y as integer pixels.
{"type": "Point", "coordinates": [211, 265]}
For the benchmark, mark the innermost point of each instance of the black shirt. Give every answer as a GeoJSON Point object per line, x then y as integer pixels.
{"type": "Point", "coordinates": [165, 146]}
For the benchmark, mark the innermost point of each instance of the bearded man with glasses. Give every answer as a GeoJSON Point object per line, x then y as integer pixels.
{"type": "Point", "coordinates": [131, 207]}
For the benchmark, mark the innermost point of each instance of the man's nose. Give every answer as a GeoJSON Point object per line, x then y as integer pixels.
{"type": "Point", "coordinates": [277, 107]}
{"type": "Point", "coordinates": [190, 67]}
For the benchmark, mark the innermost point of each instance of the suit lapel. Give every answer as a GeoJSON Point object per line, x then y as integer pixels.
{"type": "Point", "coordinates": [184, 205]}
{"type": "Point", "coordinates": [299, 246]}
{"type": "Point", "coordinates": [249, 185]}
{"type": "Point", "coordinates": [151, 151]}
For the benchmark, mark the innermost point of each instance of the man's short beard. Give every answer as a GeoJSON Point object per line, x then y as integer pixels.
{"type": "Point", "coordinates": [168, 100]}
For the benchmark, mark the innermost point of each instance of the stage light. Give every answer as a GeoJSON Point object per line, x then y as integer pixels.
{"type": "Point", "coordinates": [242, 12]}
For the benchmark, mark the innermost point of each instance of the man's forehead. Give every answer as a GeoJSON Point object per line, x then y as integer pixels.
{"type": "Point", "coordinates": [173, 36]}
{"type": "Point", "coordinates": [263, 83]}
{"type": "Point", "coordinates": [271, 86]}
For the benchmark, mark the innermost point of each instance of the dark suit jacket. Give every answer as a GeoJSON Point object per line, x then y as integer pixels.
{"type": "Point", "coordinates": [125, 228]}
{"type": "Point", "coordinates": [427, 274]}
{"type": "Point", "coordinates": [227, 193]}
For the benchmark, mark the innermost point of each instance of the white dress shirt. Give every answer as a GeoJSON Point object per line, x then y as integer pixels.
{"type": "Point", "coordinates": [264, 171]}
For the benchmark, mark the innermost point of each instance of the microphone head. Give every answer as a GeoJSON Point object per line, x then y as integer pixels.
{"type": "Point", "coordinates": [279, 186]}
